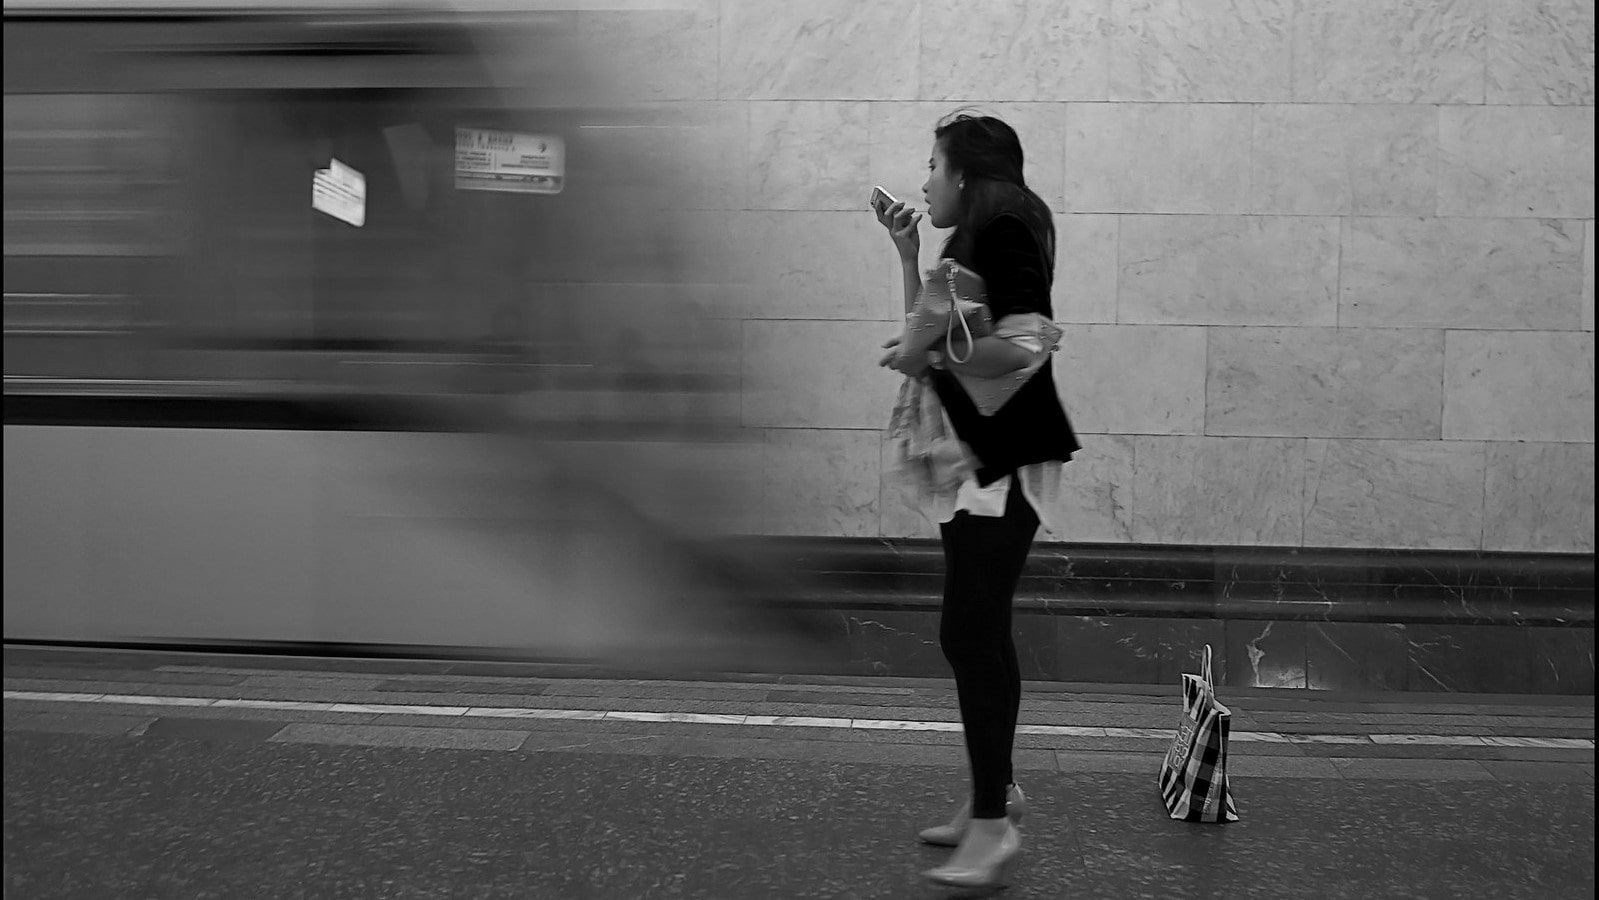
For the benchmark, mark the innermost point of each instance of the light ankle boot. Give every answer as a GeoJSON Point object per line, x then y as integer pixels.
{"type": "Point", "coordinates": [950, 835]}
{"type": "Point", "coordinates": [982, 858]}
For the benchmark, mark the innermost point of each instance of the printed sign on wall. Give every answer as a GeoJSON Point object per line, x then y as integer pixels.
{"type": "Point", "coordinates": [487, 160]}
{"type": "Point", "coordinates": [340, 191]}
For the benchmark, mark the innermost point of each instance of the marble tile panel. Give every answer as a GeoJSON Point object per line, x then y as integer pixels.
{"type": "Point", "coordinates": [1587, 276]}
{"type": "Point", "coordinates": [823, 50]}
{"type": "Point", "coordinates": [1324, 382]}
{"type": "Point", "coordinates": [1355, 656]}
{"type": "Point", "coordinates": [1516, 161]}
{"type": "Point", "coordinates": [1095, 503]}
{"type": "Point", "coordinates": [1014, 51]}
{"type": "Point", "coordinates": [1281, 597]}
{"type": "Point", "coordinates": [809, 374]}
{"type": "Point", "coordinates": [819, 265]}
{"type": "Point", "coordinates": [902, 141]}
{"type": "Point", "coordinates": [808, 155]}
{"type": "Point", "coordinates": [893, 643]}
{"type": "Point", "coordinates": [1493, 274]}
{"type": "Point", "coordinates": [1085, 268]}
{"type": "Point", "coordinates": [716, 249]}
{"type": "Point", "coordinates": [1469, 658]}
{"type": "Point", "coordinates": [821, 483]}
{"type": "Point", "coordinates": [1157, 157]}
{"type": "Point", "coordinates": [1228, 270]}
{"type": "Point", "coordinates": [1037, 647]}
{"type": "Point", "coordinates": [733, 508]}
{"type": "Point", "coordinates": [1518, 386]}
{"type": "Point", "coordinates": [1101, 649]}
{"type": "Point", "coordinates": [1133, 379]}
{"type": "Point", "coordinates": [1370, 51]}
{"type": "Point", "coordinates": [1265, 654]}
{"type": "Point", "coordinates": [655, 54]}
{"type": "Point", "coordinates": [1539, 498]}
{"type": "Point", "coordinates": [699, 149]}
{"type": "Point", "coordinates": [1208, 490]}
{"type": "Point", "coordinates": [1201, 51]}
{"type": "Point", "coordinates": [1540, 51]}
{"type": "Point", "coordinates": [903, 515]}
{"type": "Point", "coordinates": [1468, 604]}
{"type": "Point", "coordinates": [1562, 658]}
{"type": "Point", "coordinates": [1376, 160]}
{"type": "Point", "coordinates": [1424, 495]}
{"type": "Point", "coordinates": [1179, 646]}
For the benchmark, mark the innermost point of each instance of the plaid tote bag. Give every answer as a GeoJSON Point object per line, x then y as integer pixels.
{"type": "Point", "coordinates": [1193, 776]}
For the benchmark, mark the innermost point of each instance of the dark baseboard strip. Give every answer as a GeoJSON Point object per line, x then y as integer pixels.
{"type": "Point", "coordinates": [1198, 582]}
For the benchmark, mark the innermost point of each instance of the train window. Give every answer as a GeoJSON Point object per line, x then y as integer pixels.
{"type": "Point", "coordinates": [87, 175]}
{"type": "Point", "coordinates": [91, 226]}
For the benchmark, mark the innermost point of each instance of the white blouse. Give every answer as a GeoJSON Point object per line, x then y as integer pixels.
{"type": "Point", "coordinates": [1040, 485]}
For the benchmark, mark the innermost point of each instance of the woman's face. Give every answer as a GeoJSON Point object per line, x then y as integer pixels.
{"type": "Point", "coordinates": [942, 191]}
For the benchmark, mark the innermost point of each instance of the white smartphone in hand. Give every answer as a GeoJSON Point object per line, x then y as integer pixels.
{"type": "Point", "coordinates": [882, 200]}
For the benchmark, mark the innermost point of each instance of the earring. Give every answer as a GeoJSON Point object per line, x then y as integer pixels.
{"type": "Point", "coordinates": [961, 186]}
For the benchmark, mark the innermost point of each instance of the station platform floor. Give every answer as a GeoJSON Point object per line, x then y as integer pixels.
{"type": "Point", "coordinates": [161, 774]}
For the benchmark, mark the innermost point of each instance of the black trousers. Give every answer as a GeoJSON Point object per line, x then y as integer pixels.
{"type": "Point", "coordinates": [983, 560]}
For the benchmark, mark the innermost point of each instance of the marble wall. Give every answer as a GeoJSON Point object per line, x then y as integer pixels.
{"type": "Point", "coordinates": [1325, 266]}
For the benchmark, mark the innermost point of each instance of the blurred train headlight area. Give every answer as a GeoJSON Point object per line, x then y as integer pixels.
{"type": "Point", "coordinates": [378, 326]}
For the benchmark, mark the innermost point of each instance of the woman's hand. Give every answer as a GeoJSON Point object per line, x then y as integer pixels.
{"type": "Point", "coordinates": [897, 361]}
{"type": "Point", "coordinates": [901, 223]}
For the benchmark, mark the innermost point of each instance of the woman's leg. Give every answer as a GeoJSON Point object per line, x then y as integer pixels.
{"type": "Point", "coordinates": [1007, 574]}
{"type": "Point", "coordinates": [983, 558]}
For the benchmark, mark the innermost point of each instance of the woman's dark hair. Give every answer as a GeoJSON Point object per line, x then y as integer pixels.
{"type": "Point", "coordinates": [988, 154]}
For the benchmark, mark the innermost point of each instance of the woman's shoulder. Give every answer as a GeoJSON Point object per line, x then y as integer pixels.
{"type": "Point", "coordinates": [1008, 235]}
{"type": "Point", "coordinates": [1006, 227]}
{"type": "Point", "coordinates": [1017, 216]}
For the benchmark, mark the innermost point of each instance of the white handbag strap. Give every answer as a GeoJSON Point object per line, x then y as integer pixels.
{"type": "Point", "coordinates": [1205, 671]}
{"type": "Point", "coordinates": [954, 315]}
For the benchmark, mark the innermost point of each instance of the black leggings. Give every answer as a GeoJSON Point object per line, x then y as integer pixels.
{"type": "Point", "coordinates": [983, 559]}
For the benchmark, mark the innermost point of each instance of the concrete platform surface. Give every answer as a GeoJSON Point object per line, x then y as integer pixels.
{"type": "Point", "coordinates": [147, 774]}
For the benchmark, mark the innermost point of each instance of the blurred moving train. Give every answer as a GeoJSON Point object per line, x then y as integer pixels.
{"type": "Point", "coordinates": [447, 405]}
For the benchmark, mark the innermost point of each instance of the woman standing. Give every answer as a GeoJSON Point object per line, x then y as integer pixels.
{"type": "Point", "coordinates": [1004, 233]}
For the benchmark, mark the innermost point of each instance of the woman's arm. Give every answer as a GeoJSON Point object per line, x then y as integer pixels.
{"type": "Point", "coordinates": [990, 356]}
{"type": "Point", "coordinates": [902, 223]}
{"type": "Point", "coordinates": [913, 282]}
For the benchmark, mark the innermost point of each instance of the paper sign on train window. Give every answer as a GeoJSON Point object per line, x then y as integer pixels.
{"type": "Point", "coordinates": [340, 191]}
{"type": "Point", "coordinates": [488, 160]}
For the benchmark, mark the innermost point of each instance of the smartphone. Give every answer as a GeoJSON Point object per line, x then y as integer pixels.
{"type": "Point", "coordinates": [882, 200]}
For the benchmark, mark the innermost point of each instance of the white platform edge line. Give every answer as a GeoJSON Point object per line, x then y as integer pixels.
{"type": "Point", "coordinates": [757, 721]}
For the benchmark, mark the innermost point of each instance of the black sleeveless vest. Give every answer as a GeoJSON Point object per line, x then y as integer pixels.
{"type": "Point", "coordinates": [1016, 259]}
